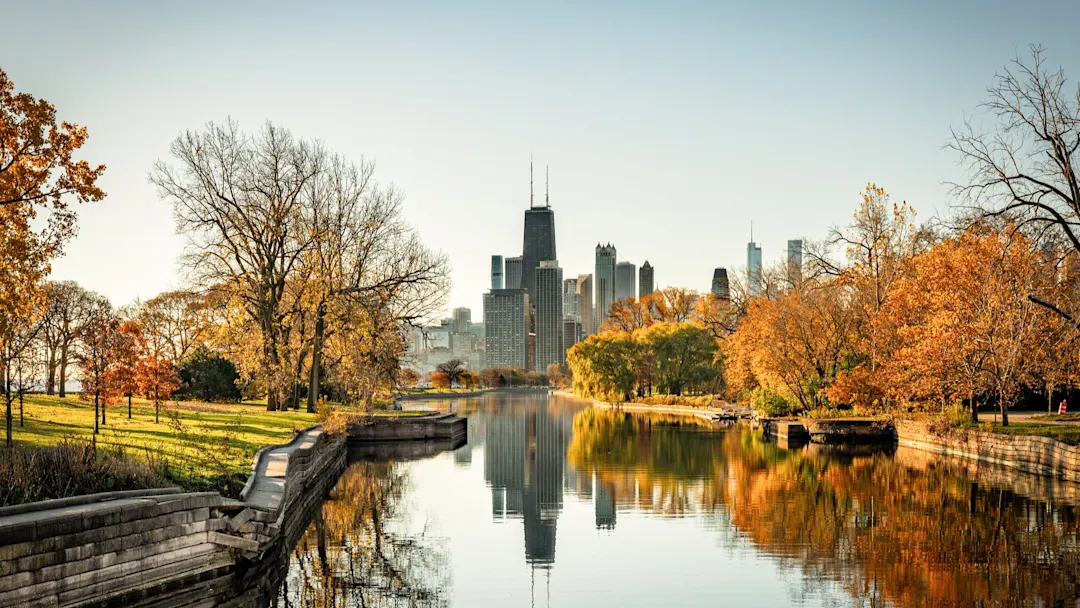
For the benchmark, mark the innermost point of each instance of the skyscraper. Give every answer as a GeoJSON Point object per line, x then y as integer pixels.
{"type": "Point", "coordinates": [625, 280]}
{"type": "Point", "coordinates": [753, 268]}
{"type": "Point", "coordinates": [794, 261]}
{"type": "Point", "coordinates": [720, 286]}
{"type": "Point", "coordinates": [506, 328]}
{"type": "Point", "coordinates": [461, 319]}
{"type": "Point", "coordinates": [496, 272]}
{"type": "Point", "coordinates": [585, 302]}
{"type": "Point", "coordinates": [645, 280]}
{"type": "Point", "coordinates": [513, 272]}
{"type": "Point", "coordinates": [605, 284]}
{"type": "Point", "coordinates": [539, 241]}
{"type": "Point", "coordinates": [571, 331]}
{"type": "Point", "coordinates": [571, 299]}
{"type": "Point", "coordinates": [549, 315]}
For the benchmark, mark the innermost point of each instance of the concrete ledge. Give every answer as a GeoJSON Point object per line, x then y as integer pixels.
{"type": "Point", "coordinates": [56, 503]}
{"type": "Point", "coordinates": [1039, 455]}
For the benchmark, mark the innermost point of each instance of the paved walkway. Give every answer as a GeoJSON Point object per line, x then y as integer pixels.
{"type": "Point", "coordinates": [1028, 417]}
{"type": "Point", "coordinates": [268, 489]}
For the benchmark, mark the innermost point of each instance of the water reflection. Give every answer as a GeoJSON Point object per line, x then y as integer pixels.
{"type": "Point", "coordinates": [361, 550]}
{"type": "Point", "coordinates": [860, 527]}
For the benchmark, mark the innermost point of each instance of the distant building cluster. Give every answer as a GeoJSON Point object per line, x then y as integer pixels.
{"type": "Point", "coordinates": [534, 313]}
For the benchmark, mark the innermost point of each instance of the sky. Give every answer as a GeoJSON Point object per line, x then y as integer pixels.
{"type": "Point", "coordinates": [668, 126]}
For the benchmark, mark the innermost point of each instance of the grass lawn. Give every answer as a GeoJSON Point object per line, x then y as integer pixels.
{"type": "Point", "coordinates": [1067, 434]}
{"type": "Point", "coordinates": [199, 439]}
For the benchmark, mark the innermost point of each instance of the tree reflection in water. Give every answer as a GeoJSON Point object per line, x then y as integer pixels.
{"type": "Point", "coordinates": [893, 528]}
{"type": "Point", "coordinates": [362, 551]}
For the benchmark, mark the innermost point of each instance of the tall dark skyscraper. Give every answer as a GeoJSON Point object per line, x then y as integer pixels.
{"type": "Point", "coordinates": [646, 284]}
{"type": "Point", "coordinates": [539, 243]}
{"type": "Point", "coordinates": [794, 261]}
{"type": "Point", "coordinates": [720, 285]}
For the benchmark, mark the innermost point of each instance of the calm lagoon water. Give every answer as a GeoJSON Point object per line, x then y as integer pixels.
{"type": "Point", "coordinates": [551, 503]}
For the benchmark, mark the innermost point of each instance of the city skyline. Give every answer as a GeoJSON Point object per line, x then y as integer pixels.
{"type": "Point", "coordinates": [651, 81]}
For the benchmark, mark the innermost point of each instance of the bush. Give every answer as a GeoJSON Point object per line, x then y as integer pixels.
{"type": "Point", "coordinates": [72, 468]}
{"type": "Point", "coordinates": [768, 402]}
{"type": "Point", "coordinates": [207, 376]}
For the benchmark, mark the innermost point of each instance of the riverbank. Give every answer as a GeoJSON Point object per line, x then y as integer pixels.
{"type": "Point", "coordinates": [452, 394]}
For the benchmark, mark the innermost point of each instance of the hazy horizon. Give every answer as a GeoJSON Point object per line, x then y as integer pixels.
{"type": "Point", "coordinates": [668, 129]}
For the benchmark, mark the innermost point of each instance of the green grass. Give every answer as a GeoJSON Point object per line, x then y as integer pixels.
{"type": "Point", "coordinates": [198, 439]}
{"type": "Point", "coordinates": [1066, 434]}
{"type": "Point", "coordinates": [1057, 418]}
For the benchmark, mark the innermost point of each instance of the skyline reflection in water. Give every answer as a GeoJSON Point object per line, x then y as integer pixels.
{"type": "Point", "coordinates": [552, 503]}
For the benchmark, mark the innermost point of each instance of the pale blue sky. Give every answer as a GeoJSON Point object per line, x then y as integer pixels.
{"type": "Point", "coordinates": [668, 126]}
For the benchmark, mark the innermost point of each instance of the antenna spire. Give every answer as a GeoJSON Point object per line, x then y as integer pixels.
{"type": "Point", "coordinates": [547, 191]}
{"type": "Point", "coordinates": [751, 231]}
{"type": "Point", "coordinates": [530, 181]}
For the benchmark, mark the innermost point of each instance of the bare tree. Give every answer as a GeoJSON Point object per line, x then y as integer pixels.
{"type": "Point", "coordinates": [241, 202]}
{"type": "Point", "coordinates": [1023, 167]}
{"type": "Point", "coordinates": [176, 319]}
{"type": "Point", "coordinates": [69, 306]}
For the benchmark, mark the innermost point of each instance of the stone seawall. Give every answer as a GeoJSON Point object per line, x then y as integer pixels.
{"type": "Point", "coordinates": [1039, 455]}
{"type": "Point", "coordinates": [447, 427]}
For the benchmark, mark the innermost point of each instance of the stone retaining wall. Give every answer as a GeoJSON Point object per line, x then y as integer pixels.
{"type": "Point", "coordinates": [122, 549]}
{"type": "Point", "coordinates": [1040, 455]}
{"type": "Point", "coordinates": [409, 428]}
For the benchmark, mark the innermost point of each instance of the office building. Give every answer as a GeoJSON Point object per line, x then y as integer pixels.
{"type": "Point", "coordinates": [585, 302]}
{"type": "Point", "coordinates": [720, 286]}
{"type": "Point", "coordinates": [571, 300]}
{"type": "Point", "coordinates": [571, 331]}
{"type": "Point", "coordinates": [646, 284]}
{"type": "Point", "coordinates": [549, 315]}
{"type": "Point", "coordinates": [539, 241]}
{"type": "Point", "coordinates": [794, 261]}
{"type": "Point", "coordinates": [512, 276]}
{"type": "Point", "coordinates": [460, 320]}
{"type": "Point", "coordinates": [506, 328]}
{"type": "Point", "coordinates": [625, 280]}
{"type": "Point", "coordinates": [753, 269]}
{"type": "Point", "coordinates": [496, 272]}
{"type": "Point", "coordinates": [605, 284]}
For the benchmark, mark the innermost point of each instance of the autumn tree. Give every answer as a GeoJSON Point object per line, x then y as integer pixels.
{"type": "Point", "coordinates": [177, 321]}
{"type": "Point", "coordinates": [683, 356]}
{"type": "Point", "coordinates": [602, 366]}
{"type": "Point", "coordinates": [100, 342]}
{"type": "Point", "coordinates": [440, 380]}
{"type": "Point", "coordinates": [68, 308]}
{"type": "Point", "coordinates": [128, 350]}
{"type": "Point", "coordinates": [453, 370]}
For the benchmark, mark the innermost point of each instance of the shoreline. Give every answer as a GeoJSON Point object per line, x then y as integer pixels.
{"type": "Point", "coordinates": [398, 397]}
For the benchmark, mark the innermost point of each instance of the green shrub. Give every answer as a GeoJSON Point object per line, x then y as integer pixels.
{"type": "Point", "coordinates": [768, 402]}
{"type": "Point", "coordinates": [207, 376]}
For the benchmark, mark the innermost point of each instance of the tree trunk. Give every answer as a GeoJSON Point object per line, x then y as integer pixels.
{"type": "Point", "coordinates": [4, 376]}
{"type": "Point", "coordinates": [104, 406]}
{"type": "Point", "coordinates": [974, 408]}
{"type": "Point", "coordinates": [129, 407]}
{"type": "Point", "coordinates": [157, 410]}
{"type": "Point", "coordinates": [1004, 413]}
{"type": "Point", "coordinates": [22, 421]}
{"type": "Point", "coordinates": [61, 389]}
{"type": "Point", "coordinates": [96, 419]}
{"type": "Point", "coordinates": [50, 365]}
{"type": "Point", "coordinates": [316, 361]}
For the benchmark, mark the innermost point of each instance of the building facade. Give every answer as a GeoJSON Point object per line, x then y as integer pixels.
{"type": "Point", "coordinates": [585, 302]}
{"type": "Point", "coordinates": [497, 272]}
{"type": "Point", "coordinates": [646, 283]}
{"type": "Point", "coordinates": [549, 315]}
{"type": "Point", "coordinates": [604, 284]}
{"type": "Point", "coordinates": [753, 268]}
{"type": "Point", "coordinates": [538, 245]}
{"type": "Point", "coordinates": [720, 286]}
{"type": "Point", "coordinates": [506, 328]}
{"type": "Point", "coordinates": [571, 299]}
{"type": "Point", "coordinates": [794, 261]}
{"type": "Point", "coordinates": [625, 280]}
{"type": "Point", "coordinates": [512, 272]}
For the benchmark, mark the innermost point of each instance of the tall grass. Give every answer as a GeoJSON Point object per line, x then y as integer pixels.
{"type": "Point", "coordinates": [73, 467]}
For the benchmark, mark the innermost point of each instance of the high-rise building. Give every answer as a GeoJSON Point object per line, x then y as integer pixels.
{"type": "Point", "coordinates": [794, 261]}
{"type": "Point", "coordinates": [496, 272]}
{"type": "Point", "coordinates": [571, 300]}
{"type": "Point", "coordinates": [513, 272]}
{"type": "Point", "coordinates": [539, 241]}
{"type": "Point", "coordinates": [549, 315]}
{"type": "Point", "coordinates": [605, 284]}
{"type": "Point", "coordinates": [571, 331]}
{"type": "Point", "coordinates": [506, 328]}
{"type": "Point", "coordinates": [625, 280]}
{"type": "Point", "coordinates": [720, 286]}
{"type": "Point", "coordinates": [585, 302]}
{"type": "Point", "coordinates": [753, 268]}
{"type": "Point", "coordinates": [461, 318]}
{"type": "Point", "coordinates": [645, 280]}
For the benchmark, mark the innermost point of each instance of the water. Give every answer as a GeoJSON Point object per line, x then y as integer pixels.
{"type": "Point", "coordinates": [554, 504]}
